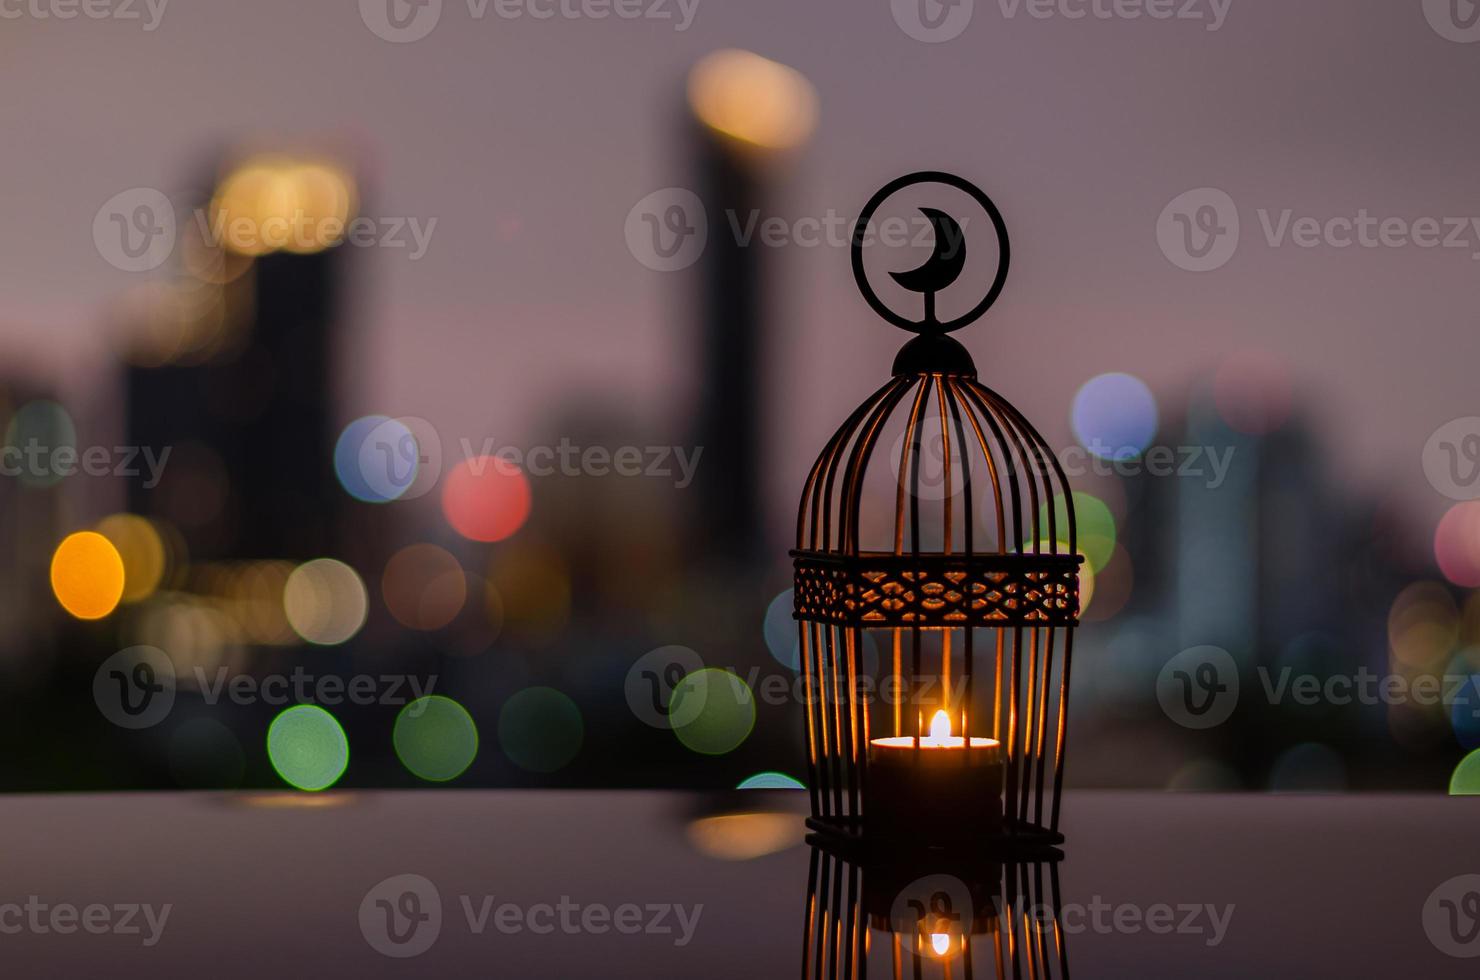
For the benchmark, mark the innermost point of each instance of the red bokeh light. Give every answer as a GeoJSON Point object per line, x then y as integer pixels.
{"type": "Point", "coordinates": [486, 498]}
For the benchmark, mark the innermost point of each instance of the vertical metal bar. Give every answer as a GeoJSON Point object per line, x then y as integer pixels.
{"type": "Point", "coordinates": [824, 917]}
{"type": "Point", "coordinates": [1058, 925]}
{"type": "Point", "coordinates": [856, 762]}
{"type": "Point", "coordinates": [1063, 733]}
{"type": "Point", "coordinates": [1041, 751]}
{"type": "Point", "coordinates": [808, 669]}
{"type": "Point", "coordinates": [837, 722]}
{"type": "Point", "coordinates": [825, 769]}
{"type": "Point", "coordinates": [1029, 711]}
{"type": "Point", "coordinates": [810, 922]}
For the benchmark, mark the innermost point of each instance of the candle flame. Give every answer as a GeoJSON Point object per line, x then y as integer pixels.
{"type": "Point", "coordinates": [940, 942]}
{"type": "Point", "coordinates": [940, 727]}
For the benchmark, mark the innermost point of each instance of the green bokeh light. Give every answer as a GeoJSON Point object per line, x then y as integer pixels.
{"type": "Point", "coordinates": [725, 711]}
{"type": "Point", "coordinates": [1093, 523]}
{"type": "Point", "coordinates": [770, 780]}
{"type": "Point", "coordinates": [435, 738]}
{"type": "Point", "coordinates": [307, 747]}
{"type": "Point", "coordinates": [1466, 778]}
{"type": "Point", "coordinates": [540, 729]}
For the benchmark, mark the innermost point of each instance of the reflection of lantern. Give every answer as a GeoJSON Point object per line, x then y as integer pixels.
{"type": "Point", "coordinates": [932, 919]}
{"type": "Point", "coordinates": [958, 568]}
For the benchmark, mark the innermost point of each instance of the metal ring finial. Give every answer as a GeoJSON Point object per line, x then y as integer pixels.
{"type": "Point", "coordinates": [930, 325]}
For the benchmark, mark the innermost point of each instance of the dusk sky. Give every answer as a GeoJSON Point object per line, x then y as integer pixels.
{"type": "Point", "coordinates": [529, 141]}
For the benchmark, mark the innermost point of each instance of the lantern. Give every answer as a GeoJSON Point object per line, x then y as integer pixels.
{"type": "Point", "coordinates": [932, 919]}
{"type": "Point", "coordinates": [936, 588]}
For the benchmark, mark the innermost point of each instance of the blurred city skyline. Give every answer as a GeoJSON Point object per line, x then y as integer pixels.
{"type": "Point", "coordinates": [527, 296]}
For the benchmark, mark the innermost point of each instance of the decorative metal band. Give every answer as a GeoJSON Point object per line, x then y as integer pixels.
{"type": "Point", "coordinates": [886, 590]}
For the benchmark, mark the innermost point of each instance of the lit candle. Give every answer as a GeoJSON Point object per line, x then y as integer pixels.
{"type": "Point", "coordinates": [936, 787]}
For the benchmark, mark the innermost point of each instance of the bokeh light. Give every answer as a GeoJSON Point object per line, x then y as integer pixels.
{"type": "Point", "coordinates": [781, 631]}
{"type": "Point", "coordinates": [746, 836]}
{"type": "Point", "coordinates": [770, 780]}
{"type": "Point", "coordinates": [325, 601]}
{"type": "Point", "coordinates": [435, 738]}
{"type": "Point", "coordinates": [1466, 778]}
{"type": "Point", "coordinates": [529, 590]}
{"type": "Point", "coordinates": [1111, 588]}
{"type": "Point", "coordinates": [87, 575]}
{"type": "Point", "coordinates": [721, 705]}
{"type": "Point", "coordinates": [1114, 416]}
{"type": "Point", "coordinates": [37, 430]}
{"type": "Point", "coordinates": [540, 729]}
{"type": "Point", "coordinates": [1423, 625]}
{"type": "Point", "coordinates": [142, 550]}
{"type": "Point", "coordinates": [307, 747]}
{"type": "Point", "coordinates": [1094, 526]}
{"type": "Point", "coordinates": [1457, 544]}
{"type": "Point", "coordinates": [424, 587]}
{"type": "Point", "coordinates": [367, 460]}
{"type": "Point", "coordinates": [1464, 712]}
{"type": "Point", "coordinates": [271, 203]}
{"type": "Point", "coordinates": [486, 498]}
{"type": "Point", "coordinates": [753, 99]}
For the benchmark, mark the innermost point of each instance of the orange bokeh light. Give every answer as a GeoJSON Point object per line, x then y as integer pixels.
{"type": "Point", "coordinates": [87, 575]}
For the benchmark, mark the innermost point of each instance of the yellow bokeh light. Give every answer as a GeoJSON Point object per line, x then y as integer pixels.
{"type": "Point", "coordinates": [273, 203]}
{"type": "Point", "coordinates": [87, 575]}
{"type": "Point", "coordinates": [753, 99]}
{"type": "Point", "coordinates": [142, 551]}
{"type": "Point", "coordinates": [746, 836]}
{"type": "Point", "coordinates": [325, 601]}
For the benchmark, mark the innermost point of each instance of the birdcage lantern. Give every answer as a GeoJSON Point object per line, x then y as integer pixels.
{"type": "Point", "coordinates": [936, 588]}
{"type": "Point", "coordinates": [932, 920]}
